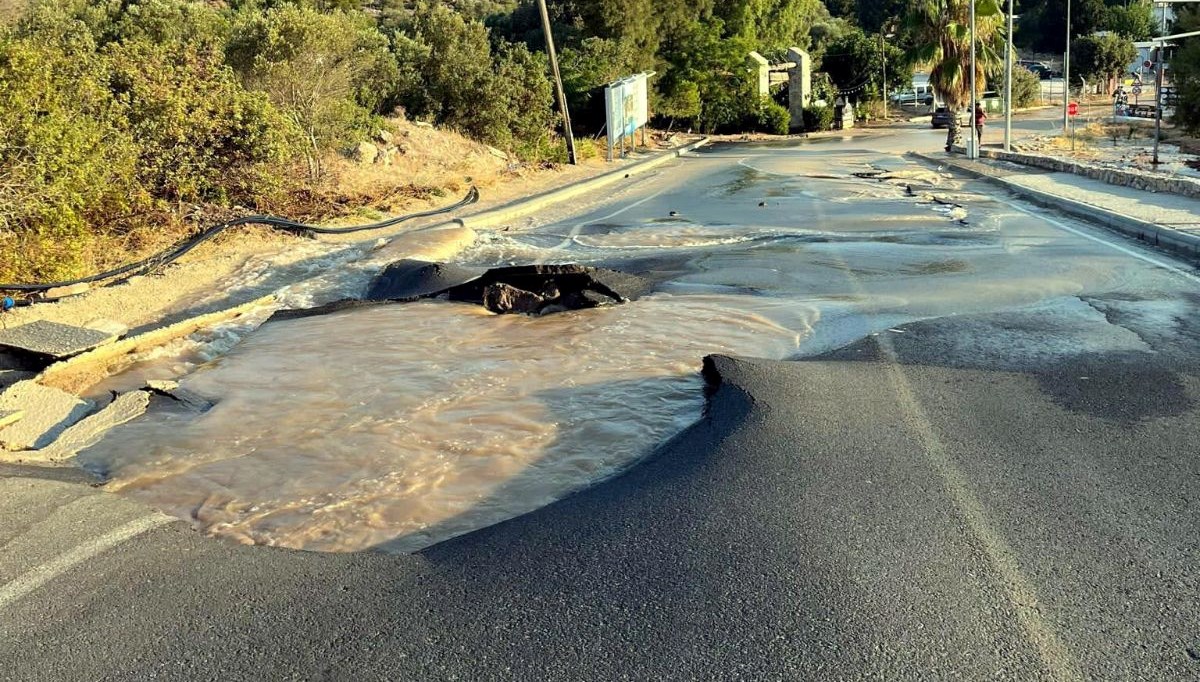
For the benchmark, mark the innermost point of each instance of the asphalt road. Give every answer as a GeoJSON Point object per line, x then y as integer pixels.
{"type": "Point", "coordinates": [982, 464]}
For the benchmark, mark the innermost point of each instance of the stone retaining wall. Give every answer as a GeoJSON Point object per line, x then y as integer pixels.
{"type": "Point", "coordinates": [1143, 180]}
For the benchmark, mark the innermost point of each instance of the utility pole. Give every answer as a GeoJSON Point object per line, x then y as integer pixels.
{"type": "Point", "coordinates": [558, 87]}
{"type": "Point", "coordinates": [973, 146]}
{"type": "Point", "coordinates": [883, 53]}
{"type": "Point", "coordinates": [1067, 72]}
{"type": "Point", "coordinates": [1160, 59]}
{"type": "Point", "coordinates": [1008, 77]}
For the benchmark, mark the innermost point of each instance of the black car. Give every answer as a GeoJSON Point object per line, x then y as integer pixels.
{"type": "Point", "coordinates": [941, 118]}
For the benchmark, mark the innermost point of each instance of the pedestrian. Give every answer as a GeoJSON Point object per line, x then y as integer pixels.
{"type": "Point", "coordinates": [980, 117]}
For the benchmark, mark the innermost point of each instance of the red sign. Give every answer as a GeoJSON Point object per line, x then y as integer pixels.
{"type": "Point", "coordinates": [1148, 64]}
{"type": "Point", "coordinates": [1072, 109]}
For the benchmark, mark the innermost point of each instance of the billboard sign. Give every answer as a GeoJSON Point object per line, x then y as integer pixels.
{"type": "Point", "coordinates": [627, 108]}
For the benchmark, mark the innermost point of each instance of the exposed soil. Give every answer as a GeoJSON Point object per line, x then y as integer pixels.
{"type": "Point", "coordinates": [443, 164]}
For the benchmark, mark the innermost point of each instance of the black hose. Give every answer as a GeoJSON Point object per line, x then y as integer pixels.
{"type": "Point", "coordinates": [179, 250]}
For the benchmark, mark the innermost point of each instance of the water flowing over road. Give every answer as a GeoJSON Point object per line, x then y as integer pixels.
{"type": "Point", "coordinates": [400, 426]}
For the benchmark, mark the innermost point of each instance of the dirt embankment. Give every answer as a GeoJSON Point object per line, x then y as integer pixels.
{"type": "Point", "coordinates": [413, 167]}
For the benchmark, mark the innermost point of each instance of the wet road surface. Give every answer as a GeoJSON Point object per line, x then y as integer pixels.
{"type": "Point", "coordinates": [977, 460]}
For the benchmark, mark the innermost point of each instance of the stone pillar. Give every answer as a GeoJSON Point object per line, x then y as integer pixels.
{"type": "Point", "coordinates": [799, 85]}
{"type": "Point", "coordinates": [763, 73]}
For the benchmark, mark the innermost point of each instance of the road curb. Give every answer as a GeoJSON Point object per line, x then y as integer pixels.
{"type": "Point", "coordinates": [524, 207]}
{"type": "Point", "coordinates": [1150, 233]}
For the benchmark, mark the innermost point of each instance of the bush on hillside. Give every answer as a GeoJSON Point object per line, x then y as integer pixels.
{"type": "Point", "coordinates": [103, 139]}
{"type": "Point", "coordinates": [502, 97]}
{"type": "Point", "coordinates": [66, 163]}
{"type": "Point", "coordinates": [329, 73]}
{"type": "Point", "coordinates": [199, 133]}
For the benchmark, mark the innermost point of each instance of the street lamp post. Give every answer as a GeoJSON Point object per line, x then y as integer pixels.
{"type": "Point", "coordinates": [883, 53]}
{"type": "Point", "coordinates": [973, 145]}
{"type": "Point", "coordinates": [1067, 72]}
{"type": "Point", "coordinates": [1008, 76]}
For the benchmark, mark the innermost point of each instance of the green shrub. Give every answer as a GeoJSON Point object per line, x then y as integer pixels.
{"type": "Point", "coordinates": [66, 162]}
{"type": "Point", "coordinates": [1026, 87]}
{"type": "Point", "coordinates": [772, 118]}
{"type": "Point", "coordinates": [198, 131]}
{"type": "Point", "coordinates": [501, 97]}
{"type": "Point", "coordinates": [818, 118]}
{"type": "Point", "coordinates": [106, 135]}
{"type": "Point", "coordinates": [329, 73]}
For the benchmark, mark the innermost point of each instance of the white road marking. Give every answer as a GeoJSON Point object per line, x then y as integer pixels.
{"type": "Point", "coordinates": [1022, 595]}
{"type": "Point", "coordinates": [36, 577]}
{"type": "Point", "coordinates": [579, 226]}
{"type": "Point", "coordinates": [1123, 249]}
{"type": "Point", "coordinates": [756, 169]}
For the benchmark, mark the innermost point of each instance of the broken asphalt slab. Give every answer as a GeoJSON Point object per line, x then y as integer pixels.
{"type": "Point", "coordinates": [53, 339]}
{"type": "Point", "coordinates": [527, 289]}
{"type": "Point", "coordinates": [89, 431]}
{"type": "Point", "coordinates": [48, 412]}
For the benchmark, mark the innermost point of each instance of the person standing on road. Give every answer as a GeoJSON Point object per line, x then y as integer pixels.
{"type": "Point", "coordinates": [980, 117]}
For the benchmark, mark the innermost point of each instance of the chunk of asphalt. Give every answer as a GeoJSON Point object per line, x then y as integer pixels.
{"type": "Point", "coordinates": [570, 280]}
{"type": "Point", "coordinates": [48, 412]}
{"type": "Point", "coordinates": [412, 279]}
{"type": "Point", "coordinates": [89, 431]}
{"type": "Point", "coordinates": [53, 339]}
{"type": "Point", "coordinates": [186, 398]}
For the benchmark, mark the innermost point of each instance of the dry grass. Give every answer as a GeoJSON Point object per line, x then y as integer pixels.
{"type": "Point", "coordinates": [427, 168]}
{"type": "Point", "coordinates": [11, 9]}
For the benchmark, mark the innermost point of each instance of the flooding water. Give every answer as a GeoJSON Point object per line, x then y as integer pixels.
{"type": "Point", "coordinates": [398, 426]}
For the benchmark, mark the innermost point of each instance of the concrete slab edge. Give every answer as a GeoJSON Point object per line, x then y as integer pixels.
{"type": "Point", "coordinates": [76, 374]}
{"type": "Point", "coordinates": [1150, 233]}
{"type": "Point", "coordinates": [524, 207]}
{"type": "Point", "coordinates": [84, 433]}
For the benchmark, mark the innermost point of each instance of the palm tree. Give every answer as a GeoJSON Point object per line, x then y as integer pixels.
{"type": "Point", "coordinates": [941, 38]}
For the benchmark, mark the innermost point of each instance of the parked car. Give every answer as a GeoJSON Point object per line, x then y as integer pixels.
{"type": "Point", "coordinates": [920, 94]}
{"type": "Point", "coordinates": [941, 118]}
{"type": "Point", "coordinates": [1040, 69]}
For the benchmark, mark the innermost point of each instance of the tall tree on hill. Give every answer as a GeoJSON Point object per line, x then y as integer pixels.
{"type": "Point", "coordinates": [941, 34]}
{"type": "Point", "coordinates": [1185, 68]}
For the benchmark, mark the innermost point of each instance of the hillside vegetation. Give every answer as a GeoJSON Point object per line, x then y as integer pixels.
{"type": "Point", "coordinates": [122, 118]}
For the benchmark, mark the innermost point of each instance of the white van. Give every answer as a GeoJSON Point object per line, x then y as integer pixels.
{"type": "Point", "coordinates": [920, 94]}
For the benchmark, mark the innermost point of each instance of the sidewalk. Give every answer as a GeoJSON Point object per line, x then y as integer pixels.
{"type": "Point", "coordinates": [1166, 220]}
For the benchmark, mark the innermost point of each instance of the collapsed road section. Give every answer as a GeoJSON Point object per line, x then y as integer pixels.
{"type": "Point", "coordinates": [525, 289]}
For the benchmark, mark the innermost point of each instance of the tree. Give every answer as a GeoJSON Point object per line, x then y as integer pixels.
{"type": "Point", "coordinates": [501, 96]}
{"type": "Point", "coordinates": [854, 62]}
{"type": "Point", "coordinates": [1043, 26]}
{"type": "Point", "coordinates": [942, 38]}
{"type": "Point", "coordinates": [586, 69]}
{"type": "Point", "coordinates": [1135, 22]}
{"type": "Point", "coordinates": [1102, 57]}
{"type": "Point", "coordinates": [1185, 69]}
{"type": "Point", "coordinates": [328, 72]}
